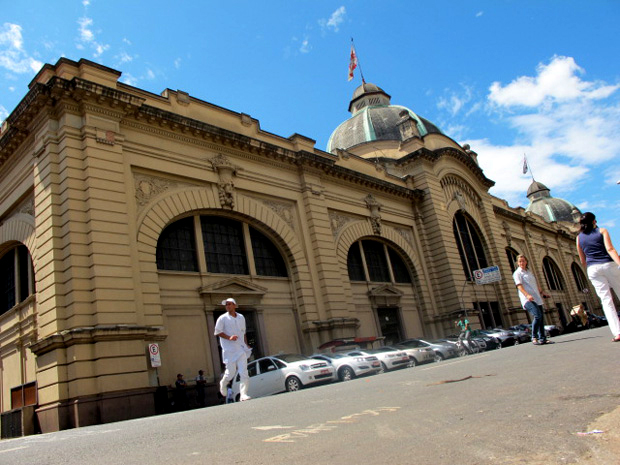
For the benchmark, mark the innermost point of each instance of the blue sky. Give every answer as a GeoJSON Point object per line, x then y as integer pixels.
{"type": "Point", "coordinates": [507, 77]}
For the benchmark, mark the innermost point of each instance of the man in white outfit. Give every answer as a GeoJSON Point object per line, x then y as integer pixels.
{"type": "Point", "coordinates": [230, 328]}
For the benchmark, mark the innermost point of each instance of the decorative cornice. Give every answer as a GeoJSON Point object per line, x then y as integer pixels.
{"type": "Point", "coordinates": [94, 334]}
{"type": "Point", "coordinates": [435, 155]}
{"type": "Point", "coordinates": [131, 110]}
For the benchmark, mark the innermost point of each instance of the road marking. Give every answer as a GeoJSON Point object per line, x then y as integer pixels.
{"type": "Point", "coordinates": [14, 448]}
{"type": "Point", "coordinates": [329, 425]}
{"type": "Point", "coordinates": [267, 428]}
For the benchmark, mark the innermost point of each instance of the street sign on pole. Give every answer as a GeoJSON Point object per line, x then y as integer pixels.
{"type": "Point", "coordinates": [487, 275]}
{"type": "Point", "coordinates": [154, 354]}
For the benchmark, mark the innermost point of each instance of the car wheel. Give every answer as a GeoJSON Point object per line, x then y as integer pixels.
{"type": "Point", "coordinates": [517, 342]}
{"type": "Point", "coordinates": [383, 368]}
{"type": "Point", "coordinates": [438, 357]}
{"type": "Point", "coordinates": [238, 398]}
{"type": "Point", "coordinates": [346, 374]}
{"type": "Point", "coordinates": [412, 362]}
{"type": "Point", "coordinates": [462, 352]}
{"type": "Point", "coordinates": [293, 384]}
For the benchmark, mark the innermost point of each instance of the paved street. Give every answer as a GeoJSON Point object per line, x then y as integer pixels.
{"type": "Point", "coordinates": [519, 405]}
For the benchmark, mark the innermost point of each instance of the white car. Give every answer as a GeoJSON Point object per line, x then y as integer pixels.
{"type": "Point", "coordinates": [349, 367]}
{"type": "Point", "coordinates": [417, 355]}
{"type": "Point", "coordinates": [284, 372]}
{"type": "Point", "coordinates": [390, 359]}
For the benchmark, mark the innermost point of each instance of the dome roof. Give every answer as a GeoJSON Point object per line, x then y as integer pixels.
{"type": "Point", "coordinates": [375, 118]}
{"type": "Point", "coordinates": [550, 208]}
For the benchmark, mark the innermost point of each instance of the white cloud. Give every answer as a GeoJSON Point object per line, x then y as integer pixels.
{"type": "Point", "coordinates": [150, 74]}
{"type": "Point", "coordinates": [87, 37]}
{"type": "Point", "coordinates": [569, 128]}
{"type": "Point", "coordinates": [124, 57]}
{"type": "Point", "coordinates": [480, 13]}
{"type": "Point", "coordinates": [3, 113]}
{"type": "Point", "coordinates": [177, 63]}
{"type": "Point", "coordinates": [13, 57]}
{"type": "Point", "coordinates": [558, 82]}
{"type": "Point", "coordinates": [129, 79]}
{"type": "Point", "coordinates": [305, 46]}
{"type": "Point", "coordinates": [334, 21]}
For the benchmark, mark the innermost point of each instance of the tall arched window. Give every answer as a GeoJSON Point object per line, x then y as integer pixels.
{"type": "Point", "coordinates": [580, 278]}
{"type": "Point", "coordinates": [553, 276]}
{"type": "Point", "coordinates": [512, 255]}
{"type": "Point", "coordinates": [230, 247]}
{"type": "Point", "coordinates": [16, 277]}
{"type": "Point", "coordinates": [376, 262]}
{"type": "Point", "coordinates": [468, 242]}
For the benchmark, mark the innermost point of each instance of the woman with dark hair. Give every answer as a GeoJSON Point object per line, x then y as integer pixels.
{"type": "Point", "coordinates": [597, 253]}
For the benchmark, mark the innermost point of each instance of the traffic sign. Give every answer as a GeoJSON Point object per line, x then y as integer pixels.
{"type": "Point", "coordinates": [154, 354]}
{"type": "Point", "coordinates": [487, 275]}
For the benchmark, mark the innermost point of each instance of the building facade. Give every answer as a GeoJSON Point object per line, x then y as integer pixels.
{"type": "Point", "coordinates": [126, 217]}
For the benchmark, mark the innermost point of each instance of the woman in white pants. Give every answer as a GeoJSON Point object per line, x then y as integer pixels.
{"type": "Point", "coordinates": [597, 253]}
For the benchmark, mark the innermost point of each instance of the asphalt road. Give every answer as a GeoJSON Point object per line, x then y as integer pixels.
{"type": "Point", "coordinates": [518, 405]}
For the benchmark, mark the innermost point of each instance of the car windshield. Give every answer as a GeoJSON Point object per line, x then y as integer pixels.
{"type": "Point", "coordinates": [380, 350]}
{"type": "Point", "coordinates": [291, 357]}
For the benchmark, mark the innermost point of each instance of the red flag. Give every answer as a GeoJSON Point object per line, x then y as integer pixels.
{"type": "Point", "coordinates": [352, 63]}
{"type": "Point", "coordinates": [524, 164]}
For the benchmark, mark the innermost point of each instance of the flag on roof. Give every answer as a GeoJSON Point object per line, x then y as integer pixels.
{"type": "Point", "coordinates": [352, 63]}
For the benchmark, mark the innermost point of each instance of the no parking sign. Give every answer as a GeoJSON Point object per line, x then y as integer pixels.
{"type": "Point", "coordinates": [154, 354]}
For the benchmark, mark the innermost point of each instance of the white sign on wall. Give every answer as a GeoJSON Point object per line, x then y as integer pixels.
{"type": "Point", "coordinates": [487, 275]}
{"type": "Point", "coordinates": [154, 354]}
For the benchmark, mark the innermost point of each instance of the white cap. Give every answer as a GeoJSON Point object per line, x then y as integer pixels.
{"type": "Point", "coordinates": [230, 299]}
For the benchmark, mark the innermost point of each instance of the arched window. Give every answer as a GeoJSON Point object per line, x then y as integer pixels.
{"type": "Point", "coordinates": [555, 282]}
{"type": "Point", "coordinates": [377, 262]}
{"type": "Point", "coordinates": [512, 255]}
{"type": "Point", "coordinates": [176, 247]}
{"type": "Point", "coordinates": [580, 278]}
{"type": "Point", "coordinates": [224, 241]}
{"type": "Point", "coordinates": [469, 244]}
{"type": "Point", "coordinates": [16, 277]}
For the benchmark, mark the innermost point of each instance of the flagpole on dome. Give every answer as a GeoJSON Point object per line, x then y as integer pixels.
{"type": "Point", "coordinates": [354, 63]}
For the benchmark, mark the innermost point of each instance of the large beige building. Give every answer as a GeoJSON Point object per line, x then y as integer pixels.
{"type": "Point", "coordinates": [126, 217]}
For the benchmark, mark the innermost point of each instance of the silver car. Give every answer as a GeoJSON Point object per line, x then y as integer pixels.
{"type": "Point", "coordinates": [417, 355]}
{"type": "Point", "coordinates": [349, 367]}
{"type": "Point", "coordinates": [284, 372]}
{"type": "Point", "coordinates": [390, 359]}
{"type": "Point", "coordinates": [442, 351]}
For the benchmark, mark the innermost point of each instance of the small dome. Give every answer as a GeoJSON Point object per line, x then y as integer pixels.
{"type": "Point", "coordinates": [375, 118]}
{"type": "Point", "coordinates": [550, 208]}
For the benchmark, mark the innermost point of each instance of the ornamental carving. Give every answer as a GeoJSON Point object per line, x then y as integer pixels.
{"type": "Point", "coordinates": [283, 210]}
{"type": "Point", "coordinates": [338, 222]}
{"type": "Point", "coordinates": [405, 234]}
{"type": "Point", "coordinates": [27, 207]}
{"type": "Point", "coordinates": [148, 187]}
{"type": "Point", "coordinates": [375, 213]}
{"type": "Point", "coordinates": [225, 186]}
{"type": "Point", "coordinates": [507, 232]}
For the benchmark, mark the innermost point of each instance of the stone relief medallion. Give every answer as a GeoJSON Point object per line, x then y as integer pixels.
{"type": "Point", "coordinates": [405, 234]}
{"type": "Point", "coordinates": [27, 207]}
{"type": "Point", "coordinates": [283, 210]}
{"type": "Point", "coordinates": [148, 187]}
{"type": "Point", "coordinates": [338, 221]}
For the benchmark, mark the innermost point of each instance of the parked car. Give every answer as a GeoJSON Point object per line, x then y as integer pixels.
{"type": "Point", "coordinates": [468, 347]}
{"type": "Point", "coordinates": [520, 334]}
{"type": "Point", "coordinates": [505, 338]}
{"type": "Point", "coordinates": [390, 359]}
{"type": "Point", "coordinates": [349, 367]}
{"type": "Point", "coordinates": [284, 372]}
{"type": "Point", "coordinates": [417, 355]}
{"type": "Point", "coordinates": [596, 320]}
{"type": "Point", "coordinates": [490, 342]}
{"type": "Point", "coordinates": [442, 351]}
